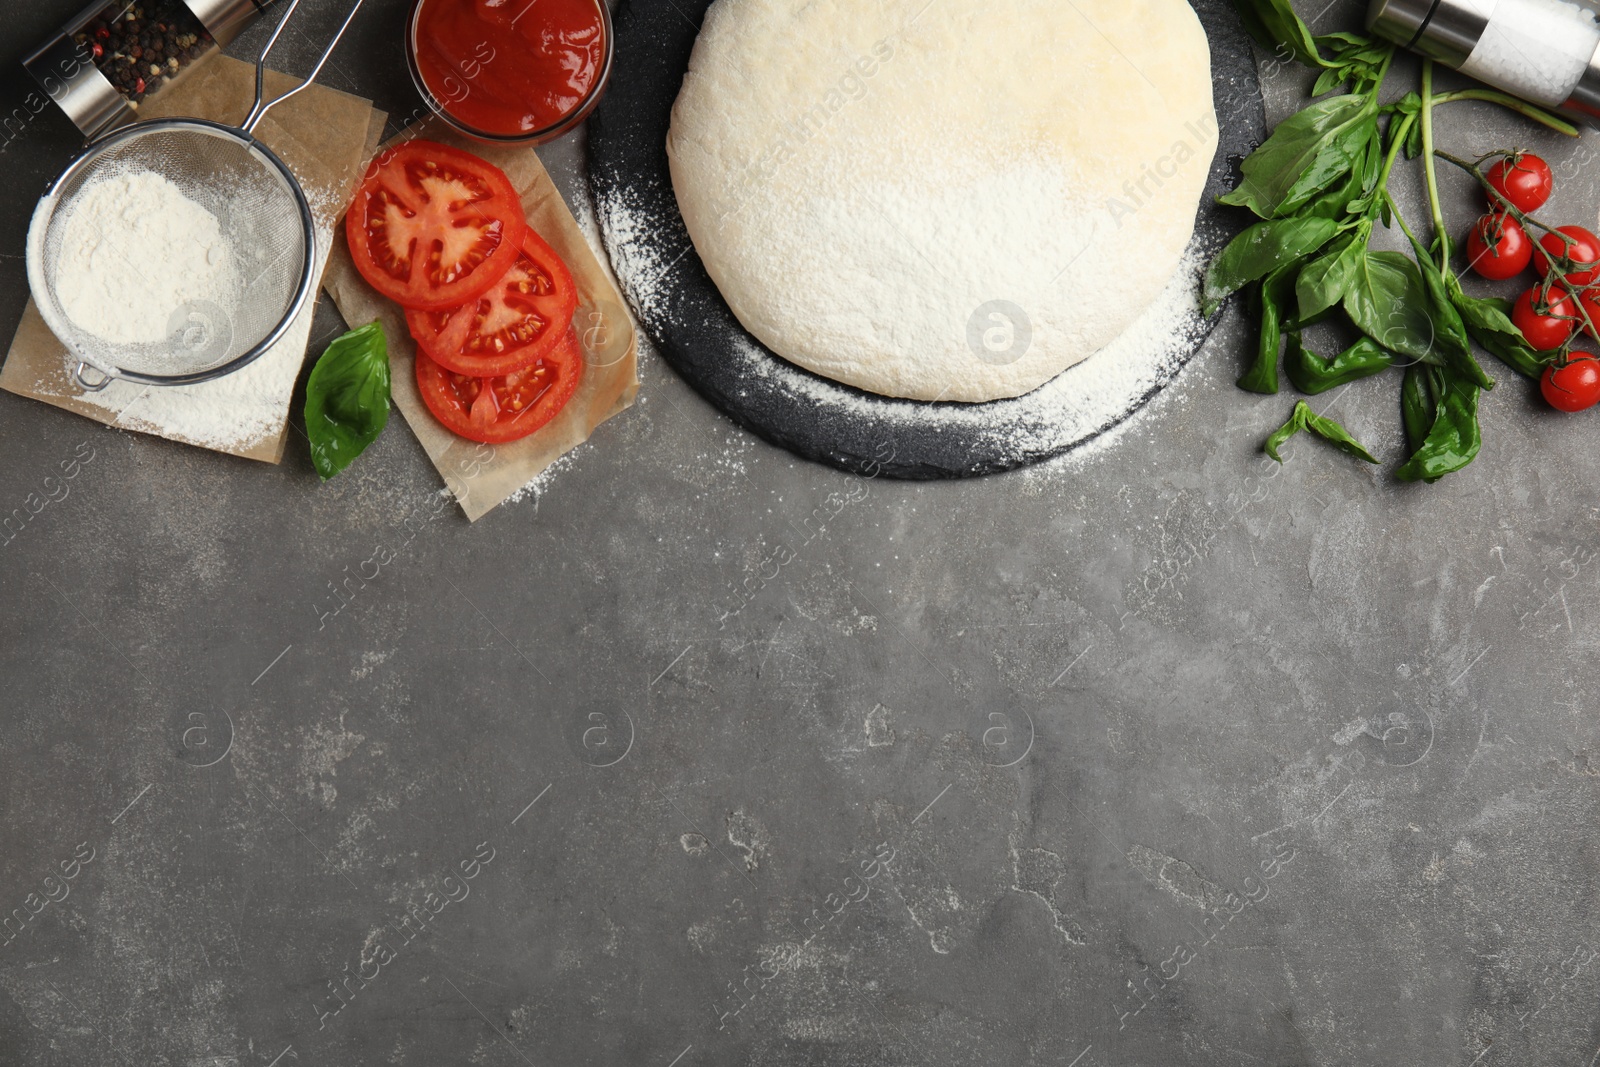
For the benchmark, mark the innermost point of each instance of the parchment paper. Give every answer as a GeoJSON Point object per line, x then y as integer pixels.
{"type": "Point", "coordinates": [483, 476]}
{"type": "Point", "coordinates": [325, 136]}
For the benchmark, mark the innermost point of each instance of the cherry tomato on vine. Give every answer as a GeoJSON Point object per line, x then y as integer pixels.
{"type": "Point", "coordinates": [1589, 303]}
{"type": "Point", "coordinates": [1498, 247]}
{"type": "Point", "coordinates": [1582, 249]}
{"type": "Point", "coordinates": [1523, 178]}
{"type": "Point", "coordinates": [1545, 317]}
{"type": "Point", "coordinates": [1573, 386]}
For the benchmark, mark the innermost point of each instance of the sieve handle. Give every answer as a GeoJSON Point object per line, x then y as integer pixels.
{"type": "Point", "coordinates": [262, 104]}
{"type": "Point", "coordinates": [80, 373]}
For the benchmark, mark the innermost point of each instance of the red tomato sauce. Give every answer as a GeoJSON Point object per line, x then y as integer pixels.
{"type": "Point", "coordinates": [510, 67]}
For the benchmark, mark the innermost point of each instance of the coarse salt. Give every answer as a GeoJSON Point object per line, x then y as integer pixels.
{"type": "Point", "coordinates": [1537, 49]}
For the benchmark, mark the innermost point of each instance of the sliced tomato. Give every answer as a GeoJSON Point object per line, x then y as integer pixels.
{"type": "Point", "coordinates": [507, 408]}
{"type": "Point", "coordinates": [433, 226]}
{"type": "Point", "coordinates": [513, 325]}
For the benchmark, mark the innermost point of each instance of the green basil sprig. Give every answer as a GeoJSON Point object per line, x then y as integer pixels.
{"type": "Point", "coordinates": [1319, 186]}
{"type": "Point", "coordinates": [347, 398]}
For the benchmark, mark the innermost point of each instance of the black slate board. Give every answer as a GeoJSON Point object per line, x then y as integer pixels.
{"type": "Point", "coordinates": [696, 332]}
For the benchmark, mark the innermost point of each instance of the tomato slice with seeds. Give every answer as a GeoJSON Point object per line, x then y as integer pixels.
{"type": "Point", "coordinates": [513, 325]}
{"type": "Point", "coordinates": [433, 226]}
{"type": "Point", "coordinates": [507, 408]}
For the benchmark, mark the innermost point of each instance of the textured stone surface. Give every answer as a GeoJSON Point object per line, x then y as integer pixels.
{"type": "Point", "coordinates": [981, 758]}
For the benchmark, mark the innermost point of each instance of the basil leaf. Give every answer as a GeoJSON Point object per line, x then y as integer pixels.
{"type": "Point", "coordinates": [1353, 53]}
{"type": "Point", "coordinates": [1309, 151]}
{"type": "Point", "coordinates": [1272, 297]}
{"type": "Point", "coordinates": [1352, 194]}
{"type": "Point", "coordinates": [1312, 374]}
{"type": "Point", "coordinates": [1329, 80]}
{"type": "Point", "coordinates": [1323, 282]}
{"type": "Point", "coordinates": [347, 398]}
{"type": "Point", "coordinates": [1449, 331]}
{"type": "Point", "coordinates": [1276, 28]}
{"type": "Point", "coordinates": [1454, 438]}
{"type": "Point", "coordinates": [1413, 145]}
{"type": "Point", "coordinates": [1387, 300]}
{"type": "Point", "coordinates": [1489, 323]}
{"type": "Point", "coordinates": [1419, 402]}
{"type": "Point", "coordinates": [1258, 251]}
{"type": "Point", "coordinates": [1304, 418]}
{"type": "Point", "coordinates": [1409, 104]}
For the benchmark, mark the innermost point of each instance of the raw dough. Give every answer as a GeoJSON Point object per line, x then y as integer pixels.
{"type": "Point", "coordinates": [945, 200]}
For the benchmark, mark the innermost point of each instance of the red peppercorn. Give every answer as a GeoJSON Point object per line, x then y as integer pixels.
{"type": "Point", "coordinates": [138, 86]}
{"type": "Point", "coordinates": [98, 50]}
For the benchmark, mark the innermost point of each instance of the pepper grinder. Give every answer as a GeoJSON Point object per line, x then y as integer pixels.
{"type": "Point", "coordinates": [67, 72]}
{"type": "Point", "coordinates": [1545, 51]}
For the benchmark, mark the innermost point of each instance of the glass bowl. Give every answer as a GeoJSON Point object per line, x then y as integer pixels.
{"type": "Point", "coordinates": [535, 137]}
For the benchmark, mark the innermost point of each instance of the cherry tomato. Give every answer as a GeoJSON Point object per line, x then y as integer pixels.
{"type": "Point", "coordinates": [1498, 247]}
{"type": "Point", "coordinates": [1589, 302]}
{"type": "Point", "coordinates": [433, 226]}
{"type": "Point", "coordinates": [1569, 257]}
{"type": "Point", "coordinates": [1524, 179]}
{"type": "Point", "coordinates": [507, 408]}
{"type": "Point", "coordinates": [511, 326]}
{"type": "Point", "coordinates": [1573, 386]}
{"type": "Point", "coordinates": [1545, 317]}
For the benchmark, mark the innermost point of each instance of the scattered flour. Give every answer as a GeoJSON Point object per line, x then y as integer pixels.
{"type": "Point", "coordinates": [134, 251]}
{"type": "Point", "coordinates": [540, 482]}
{"type": "Point", "coordinates": [648, 246]}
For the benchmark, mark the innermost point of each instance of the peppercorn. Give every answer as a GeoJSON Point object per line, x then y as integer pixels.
{"type": "Point", "coordinates": [137, 47]}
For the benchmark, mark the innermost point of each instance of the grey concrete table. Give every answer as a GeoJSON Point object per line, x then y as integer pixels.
{"type": "Point", "coordinates": [1155, 755]}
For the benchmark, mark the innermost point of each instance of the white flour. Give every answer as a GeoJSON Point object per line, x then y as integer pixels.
{"type": "Point", "coordinates": [239, 410]}
{"type": "Point", "coordinates": [134, 251]}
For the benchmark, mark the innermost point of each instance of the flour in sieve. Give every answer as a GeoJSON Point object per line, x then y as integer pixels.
{"type": "Point", "coordinates": [134, 251]}
{"type": "Point", "coordinates": [239, 410]}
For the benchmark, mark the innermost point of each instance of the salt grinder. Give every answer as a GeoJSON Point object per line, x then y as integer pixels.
{"type": "Point", "coordinates": [68, 74]}
{"type": "Point", "coordinates": [1544, 51]}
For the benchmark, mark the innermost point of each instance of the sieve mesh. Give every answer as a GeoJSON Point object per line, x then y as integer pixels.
{"type": "Point", "coordinates": [265, 224]}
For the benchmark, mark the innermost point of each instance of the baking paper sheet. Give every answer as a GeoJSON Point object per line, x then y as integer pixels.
{"type": "Point", "coordinates": [325, 137]}
{"type": "Point", "coordinates": [483, 476]}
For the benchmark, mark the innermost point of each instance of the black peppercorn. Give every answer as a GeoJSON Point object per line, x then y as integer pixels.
{"type": "Point", "coordinates": [140, 47]}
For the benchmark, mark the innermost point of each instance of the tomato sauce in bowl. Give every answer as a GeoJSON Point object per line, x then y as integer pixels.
{"type": "Point", "coordinates": [510, 71]}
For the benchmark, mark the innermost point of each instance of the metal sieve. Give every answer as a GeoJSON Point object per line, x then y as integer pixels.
{"type": "Point", "coordinates": [265, 221]}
